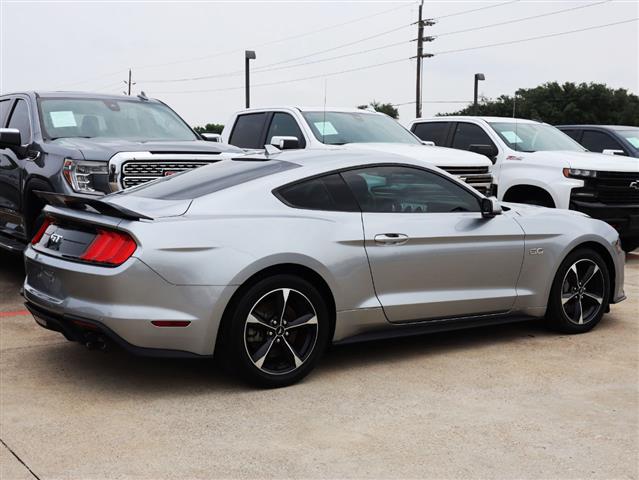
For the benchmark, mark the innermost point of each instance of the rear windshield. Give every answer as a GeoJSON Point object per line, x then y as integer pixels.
{"type": "Point", "coordinates": [208, 179]}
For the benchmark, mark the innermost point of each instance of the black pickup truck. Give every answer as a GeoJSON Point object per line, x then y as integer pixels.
{"type": "Point", "coordinates": [79, 143]}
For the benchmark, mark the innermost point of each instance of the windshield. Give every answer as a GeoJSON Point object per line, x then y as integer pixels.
{"type": "Point", "coordinates": [535, 137]}
{"type": "Point", "coordinates": [632, 135]}
{"type": "Point", "coordinates": [338, 128]}
{"type": "Point", "coordinates": [125, 119]}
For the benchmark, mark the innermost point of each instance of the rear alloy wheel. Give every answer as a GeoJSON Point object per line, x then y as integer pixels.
{"type": "Point", "coordinates": [278, 331]}
{"type": "Point", "coordinates": [579, 295]}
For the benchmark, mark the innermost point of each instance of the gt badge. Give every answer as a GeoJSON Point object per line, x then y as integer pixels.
{"type": "Point", "coordinates": [536, 251]}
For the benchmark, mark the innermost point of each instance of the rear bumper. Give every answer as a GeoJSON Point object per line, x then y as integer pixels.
{"type": "Point", "coordinates": [122, 302]}
{"type": "Point", "coordinates": [623, 218]}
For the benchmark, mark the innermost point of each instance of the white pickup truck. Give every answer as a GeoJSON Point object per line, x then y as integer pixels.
{"type": "Point", "coordinates": [538, 164]}
{"type": "Point", "coordinates": [304, 127]}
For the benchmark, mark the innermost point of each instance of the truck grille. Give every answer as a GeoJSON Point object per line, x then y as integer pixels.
{"type": "Point", "coordinates": [477, 177]}
{"type": "Point", "coordinates": [611, 188]}
{"type": "Point", "coordinates": [138, 172]}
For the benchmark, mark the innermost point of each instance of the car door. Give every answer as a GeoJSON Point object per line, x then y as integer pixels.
{"type": "Point", "coordinates": [12, 166]}
{"type": "Point", "coordinates": [283, 124]}
{"type": "Point", "coordinates": [249, 130]}
{"type": "Point", "coordinates": [598, 141]}
{"type": "Point", "coordinates": [431, 253]}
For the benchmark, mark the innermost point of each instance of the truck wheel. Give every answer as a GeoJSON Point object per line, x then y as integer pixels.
{"type": "Point", "coordinates": [580, 293]}
{"type": "Point", "coordinates": [277, 332]}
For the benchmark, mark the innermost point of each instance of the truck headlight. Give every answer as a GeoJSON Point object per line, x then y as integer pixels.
{"type": "Point", "coordinates": [81, 174]}
{"type": "Point", "coordinates": [579, 173]}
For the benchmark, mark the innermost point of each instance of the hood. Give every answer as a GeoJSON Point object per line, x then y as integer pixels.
{"type": "Point", "coordinates": [586, 160]}
{"type": "Point", "coordinates": [105, 148]}
{"type": "Point", "coordinates": [438, 156]}
{"type": "Point", "coordinates": [526, 210]}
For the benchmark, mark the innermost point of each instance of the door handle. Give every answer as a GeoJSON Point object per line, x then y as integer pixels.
{"type": "Point", "coordinates": [391, 238]}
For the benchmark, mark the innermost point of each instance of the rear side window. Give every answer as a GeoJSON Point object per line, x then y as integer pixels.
{"type": "Point", "coordinates": [328, 193]}
{"type": "Point", "coordinates": [20, 119]}
{"type": "Point", "coordinates": [248, 130]}
{"type": "Point", "coordinates": [599, 141]}
{"type": "Point", "coordinates": [434, 132]}
{"type": "Point", "coordinates": [284, 125]}
{"type": "Point", "coordinates": [574, 134]}
{"type": "Point", "coordinates": [467, 134]}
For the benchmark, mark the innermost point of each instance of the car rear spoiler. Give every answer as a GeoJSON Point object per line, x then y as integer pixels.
{"type": "Point", "coordinates": [81, 202]}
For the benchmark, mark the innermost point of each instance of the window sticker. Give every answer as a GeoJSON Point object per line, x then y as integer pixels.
{"type": "Point", "coordinates": [634, 141]}
{"type": "Point", "coordinates": [511, 136]}
{"type": "Point", "coordinates": [325, 128]}
{"type": "Point", "coordinates": [63, 119]}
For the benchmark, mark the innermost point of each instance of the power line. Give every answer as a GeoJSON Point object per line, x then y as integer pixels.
{"type": "Point", "coordinates": [463, 12]}
{"type": "Point", "coordinates": [272, 42]}
{"type": "Point", "coordinates": [266, 68]}
{"type": "Point", "coordinates": [556, 12]}
{"type": "Point", "coordinates": [365, 67]}
{"type": "Point", "coordinates": [594, 27]}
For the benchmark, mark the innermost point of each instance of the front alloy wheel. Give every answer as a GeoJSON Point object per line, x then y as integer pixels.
{"type": "Point", "coordinates": [580, 292]}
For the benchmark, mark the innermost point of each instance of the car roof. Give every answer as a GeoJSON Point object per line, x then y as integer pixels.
{"type": "Point", "coordinates": [321, 159]}
{"type": "Point", "coordinates": [311, 109]}
{"type": "Point", "coordinates": [604, 127]}
{"type": "Point", "coordinates": [470, 117]}
{"type": "Point", "coordinates": [76, 94]}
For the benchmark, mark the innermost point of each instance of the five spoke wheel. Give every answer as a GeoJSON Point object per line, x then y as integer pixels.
{"type": "Point", "coordinates": [582, 291]}
{"type": "Point", "coordinates": [280, 331]}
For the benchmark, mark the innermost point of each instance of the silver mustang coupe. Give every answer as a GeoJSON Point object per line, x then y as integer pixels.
{"type": "Point", "coordinates": [268, 259]}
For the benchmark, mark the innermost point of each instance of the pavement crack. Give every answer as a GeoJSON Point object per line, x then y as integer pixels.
{"type": "Point", "coordinates": [19, 459]}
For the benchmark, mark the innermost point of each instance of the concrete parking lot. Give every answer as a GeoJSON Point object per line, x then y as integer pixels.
{"type": "Point", "coordinates": [500, 402]}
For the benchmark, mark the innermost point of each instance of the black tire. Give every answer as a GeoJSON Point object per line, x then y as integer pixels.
{"type": "Point", "coordinates": [540, 202]}
{"type": "Point", "coordinates": [300, 334]}
{"type": "Point", "coordinates": [577, 302]}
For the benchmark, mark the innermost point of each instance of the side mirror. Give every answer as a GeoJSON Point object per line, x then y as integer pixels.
{"type": "Point", "coordinates": [612, 151]}
{"type": "Point", "coordinates": [489, 151]}
{"type": "Point", "coordinates": [10, 137]}
{"type": "Point", "coordinates": [212, 137]}
{"type": "Point", "coordinates": [428, 143]}
{"type": "Point", "coordinates": [490, 207]}
{"type": "Point", "coordinates": [285, 143]}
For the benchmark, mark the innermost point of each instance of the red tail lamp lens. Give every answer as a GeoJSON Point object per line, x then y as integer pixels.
{"type": "Point", "coordinates": [110, 247]}
{"type": "Point", "coordinates": [43, 228]}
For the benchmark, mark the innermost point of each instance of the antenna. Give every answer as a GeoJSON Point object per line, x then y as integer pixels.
{"type": "Point", "coordinates": [324, 119]}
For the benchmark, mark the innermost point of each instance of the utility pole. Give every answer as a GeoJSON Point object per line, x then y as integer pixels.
{"type": "Point", "coordinates": [421, 23]}
{"type": "Point", "coordinates": [129, 84]}
{"type": "Point", "coordinates": [248, 55]}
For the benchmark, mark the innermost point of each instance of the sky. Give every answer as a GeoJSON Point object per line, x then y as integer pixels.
{"type": "Point", "coordinates": [90, 45]}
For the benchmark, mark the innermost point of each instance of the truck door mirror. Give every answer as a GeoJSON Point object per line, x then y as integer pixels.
{"type": "Point", "coordinates": [428, 143]}
{"type": "Point", "coordinates": [212, 137]}
{"type": "Point", "coordinates": [10, 138]}
{"type": "Point", "coordinates": [490, 207]}
{"type": "Point", "coordinates": [612, 151]}
{"type": "Point", "coordinates": [489, 151]}
{"type": "Point", "coordinates": [285, 142]}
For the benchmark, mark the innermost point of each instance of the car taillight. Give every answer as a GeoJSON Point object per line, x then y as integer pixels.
{"type": "Point", "coordinates": [110, 248]}
{"type": "Point", "coordinates": [43, 228]}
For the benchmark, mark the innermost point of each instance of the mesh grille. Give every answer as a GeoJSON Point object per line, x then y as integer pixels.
{"type": "Point", "coordinates": [135, 173]}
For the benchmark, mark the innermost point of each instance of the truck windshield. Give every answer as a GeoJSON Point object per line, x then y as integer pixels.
{"type": "Point", "coordinates": [632, 135]}
{"type": "Point", "coordinates": [113, 118]}
{"type": "Point", "coordinates": [535, 137]}
{"type": "Point", "coordinates": [338, 128]}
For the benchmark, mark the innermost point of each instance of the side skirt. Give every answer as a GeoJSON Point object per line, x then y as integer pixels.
{"type": "Point", "coordinates": [433, 326]}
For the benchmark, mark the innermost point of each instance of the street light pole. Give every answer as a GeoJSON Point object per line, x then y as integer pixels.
{"type": "Point", "coordinates": [248, 55]}
{"type": "Point", "coordinates": [478, 77]}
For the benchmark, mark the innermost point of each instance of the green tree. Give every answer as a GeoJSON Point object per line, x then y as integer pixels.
{"type": "Point", "coordinates": [386, 108]}
{"type": "Point", "coordinates": [210, 128]}
{"type": "Point", "coordinates": [588, 103]}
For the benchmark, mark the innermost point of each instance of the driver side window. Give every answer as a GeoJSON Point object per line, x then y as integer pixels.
{"type": "Point", "coordinates": [400, 189]}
